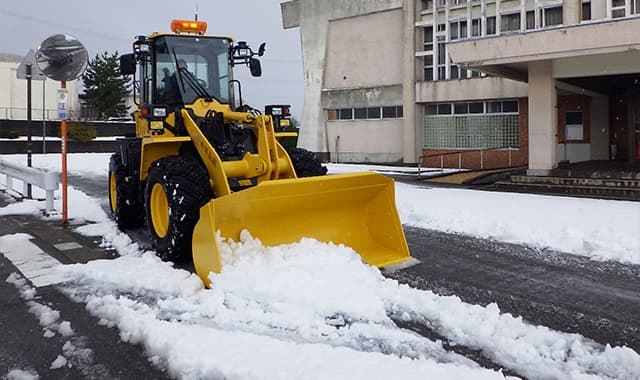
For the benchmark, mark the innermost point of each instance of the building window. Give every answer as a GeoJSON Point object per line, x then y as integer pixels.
{"type": "Point", "coordinates": [461, 108]}
{"type": "Point", "coordinates": [510, 22]}
{"type": "Point", "coordinates": [442, 61]}
{"type": "Point", "coordinates": [472, 125]}
{"type": "Point", "coordinates": [551, 16]}
{"type": "Point", "coordinates": [444, 109]}
{"type": "Point", "coordinates": [428, 67]}
{"type": "Point", "coordinates": [491, 25]}
{"type": "Point", "coordinates": [427, 5]}
{"type": "Point", "coordinates": [574, 129]}
{"type": "Point", "coordinates": [386, 112]}
{"type": "Point", "coordinates": [442, 27]}
{"type": "Point", "coordinates": [476, 27]}
{"type": "Point", "coordinates": [428, 38]}
{"type": "Point", "coordinates": [454, 72]}
{"type": "Point", "coordinates": [618, 8]}
{"type": "Point", "coordinates": [531, 20]}
{"type": "Point", "coordinates": [510, 106]}
{"type": "Point", "coordinates": [345, 113]}
{"type": "Point", "coordinates": [389, 112]}
{"type": "Point", "coordinates": [586, 11]}
{"type": "Point", "coordinates": [373, 113]}
{"type": "Point", "coordinates": [476, 107]}
{"type": "Point", "coordinates": [457, 30]}
{"type": "Point", "coordinates": [359, 113]}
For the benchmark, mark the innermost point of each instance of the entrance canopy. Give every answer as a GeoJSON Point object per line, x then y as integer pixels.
{"type": "Point", "coordinates": [609, 47]}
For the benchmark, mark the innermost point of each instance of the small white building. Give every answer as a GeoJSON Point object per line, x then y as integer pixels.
{"type": "Point", "coordinates": [13, 96]}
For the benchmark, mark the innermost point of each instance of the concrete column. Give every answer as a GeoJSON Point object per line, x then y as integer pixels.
{"type": "Point", "coordinates": [523, 15]}
{"type": "Point", "coordinates": [409, 144]}
{"type": "Point", "coordinates": [571, 12]}
{"type": "Point", "coordinates": [543, 119]}
{"type": "Point", "coordinates": [600, 127]}
{"type": "Point", "coordinates": [498, 18]}
{"type": "Point", "coordinates": [483, 18]}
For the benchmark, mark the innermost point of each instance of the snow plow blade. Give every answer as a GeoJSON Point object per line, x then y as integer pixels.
{"type": "Point", "coordinates": [357, 210]}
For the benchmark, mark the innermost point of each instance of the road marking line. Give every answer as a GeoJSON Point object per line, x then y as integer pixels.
{"type": "Point", "coordinates": [31, 260]}
{"type": "Point", "coordinates": [67, 246]}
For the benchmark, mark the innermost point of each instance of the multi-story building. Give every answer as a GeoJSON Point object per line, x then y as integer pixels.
{"type": "Point", "coordinates": [508, 81]}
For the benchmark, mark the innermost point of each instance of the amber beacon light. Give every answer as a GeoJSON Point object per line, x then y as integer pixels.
{"type": "Point", "coordinates": [185, 26]}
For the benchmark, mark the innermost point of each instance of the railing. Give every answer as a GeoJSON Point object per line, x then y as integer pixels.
{"type": "Point", "coordinates": [20, 113]}
{"type": "Point", "coordinates": [460, 153]}
{"type": "Point", "coordinates": [48, 181]}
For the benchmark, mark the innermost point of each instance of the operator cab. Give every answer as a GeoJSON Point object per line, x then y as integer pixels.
{"type": "Point", "coordinates": [177, 69]}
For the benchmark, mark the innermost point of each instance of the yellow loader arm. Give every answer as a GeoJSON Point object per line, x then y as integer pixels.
{"type": "Point", "coordinates": [357, 210]}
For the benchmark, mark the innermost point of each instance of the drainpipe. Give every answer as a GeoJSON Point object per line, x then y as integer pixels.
{"type": "Point", "coordinates": [337, 150]}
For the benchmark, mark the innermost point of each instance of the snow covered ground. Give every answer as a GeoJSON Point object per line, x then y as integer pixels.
{"type": "Point", "coordinates": [314, 310]}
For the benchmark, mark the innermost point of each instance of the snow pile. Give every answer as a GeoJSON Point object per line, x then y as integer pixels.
{"type": "Point", "coordinates": [599, 229]}
{"type": "Point", "coordinates": [314, 310]}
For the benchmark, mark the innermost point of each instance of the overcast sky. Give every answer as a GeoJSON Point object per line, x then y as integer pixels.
{"type": "Point", "coordinates": [111, 25]}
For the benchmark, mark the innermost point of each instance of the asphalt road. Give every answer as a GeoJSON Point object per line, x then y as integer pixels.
{"type": "Point", "coordinates": [93, 351]}
{"type": "Point", "coordinates": [599, 300]}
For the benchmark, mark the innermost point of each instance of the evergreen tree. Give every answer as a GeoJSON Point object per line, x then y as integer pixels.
{"type": "Point", "coordinates": [106, 89]}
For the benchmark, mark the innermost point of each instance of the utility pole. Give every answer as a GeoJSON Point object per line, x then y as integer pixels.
{"type": "Point", "coordinates": [29, 131]}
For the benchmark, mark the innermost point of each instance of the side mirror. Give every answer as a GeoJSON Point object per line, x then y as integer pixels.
{"type": "Point", "coordinates": [128, 64]}
{"type": "Point", "coordinates": [255, 67]}
{"type": "Point", "coordinates": [261, 49]}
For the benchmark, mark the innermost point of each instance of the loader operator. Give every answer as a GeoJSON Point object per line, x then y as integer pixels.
{"type": "Point", "coordinates": [171, 93]}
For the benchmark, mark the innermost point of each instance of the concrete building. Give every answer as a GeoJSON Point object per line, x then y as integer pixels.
{"type": "Point", "coordinates": [13, 97]}
{"type": "Point", "coordinates": [508, 82]}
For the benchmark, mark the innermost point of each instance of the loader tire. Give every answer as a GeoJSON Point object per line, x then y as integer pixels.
{"type": "Point", "coordinates": [306, 163]}
{"type": "Point", "coordinates": [126, 208]}
{"type": "Point", "coordinates": [176, 189]}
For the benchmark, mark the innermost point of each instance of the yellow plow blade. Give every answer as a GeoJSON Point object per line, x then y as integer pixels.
{"type": "Point", "coordinates": [357, 210]}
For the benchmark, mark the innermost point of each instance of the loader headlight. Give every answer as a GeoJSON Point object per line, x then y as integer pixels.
{"type": "Point", "coordinates": [159, 112]}
{"type": "Point", "coordinates": [276, 111]}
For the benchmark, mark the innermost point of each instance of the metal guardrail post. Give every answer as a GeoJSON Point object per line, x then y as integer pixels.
{"type": "Point", "coordinates": [48, 181]}
{"type": "Point", "coordinates": [482, 159]}
{"type": "Point", "coordinates": [459, 160]}
{"type": "Point", "coordinates": [441, 161]}
{"type": "Point", "coordinates": [509, 156]}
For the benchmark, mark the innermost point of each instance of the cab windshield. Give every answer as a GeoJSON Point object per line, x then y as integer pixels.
{"type": "Point", "coordinates": [191, 67]}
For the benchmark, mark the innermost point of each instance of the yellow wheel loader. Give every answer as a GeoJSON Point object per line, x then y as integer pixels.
{"type": "Point", "coordinates": [203, 163]}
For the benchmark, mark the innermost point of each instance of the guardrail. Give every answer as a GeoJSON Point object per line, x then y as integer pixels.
{"type": "Point", "coordinates": [46, 180]}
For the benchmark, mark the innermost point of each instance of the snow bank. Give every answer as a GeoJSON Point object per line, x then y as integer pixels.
{"type": "Point", "coordinates": [314, 310]}
{"type": "Point", "coordinates": [599, 229]}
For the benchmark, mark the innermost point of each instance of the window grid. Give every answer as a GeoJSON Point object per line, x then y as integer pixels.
{"type": "Point", "coordinates": [479, 131]}
{"type": "Point", "coordinates": [365, 113]}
